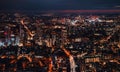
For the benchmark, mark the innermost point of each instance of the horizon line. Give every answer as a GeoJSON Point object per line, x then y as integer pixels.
{"type": "Point", "coordinates": [83, 11]}
{"type": "Point", "coordinates": [67, 11]}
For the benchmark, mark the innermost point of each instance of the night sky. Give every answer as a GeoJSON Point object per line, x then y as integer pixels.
{"type": "Point", "coordinates": [46, 5]}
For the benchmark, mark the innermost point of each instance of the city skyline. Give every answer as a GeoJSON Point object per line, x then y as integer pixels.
{"type": "Point", "coordinates": [59, 36]}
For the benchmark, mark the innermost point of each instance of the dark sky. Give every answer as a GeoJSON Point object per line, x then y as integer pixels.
{"type": "Point", "coordinates": [42, 5]}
